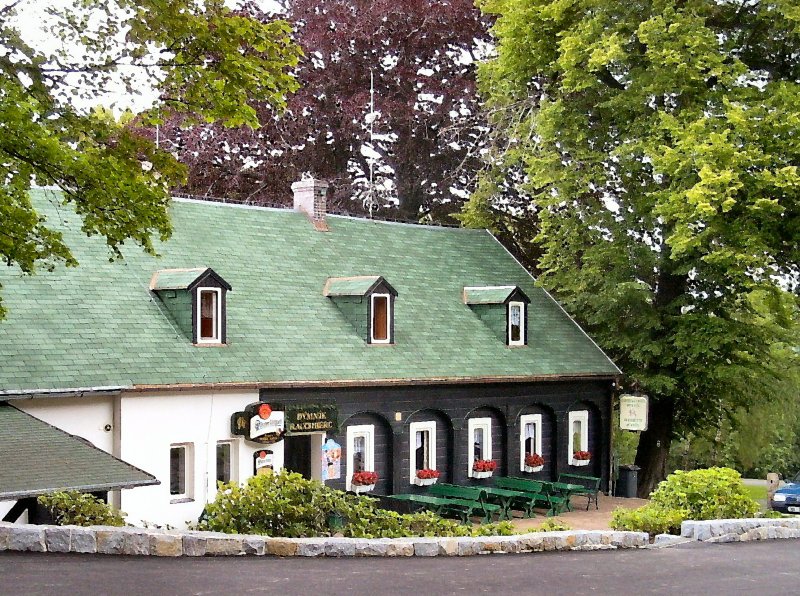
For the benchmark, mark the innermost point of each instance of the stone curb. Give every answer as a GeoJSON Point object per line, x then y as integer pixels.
{"type": "Point", "coordinates": [741, 530]}
{"type": "Point", "coordinates": [187, 543]}
{"type": "Point", "coordinates": [160, 543]}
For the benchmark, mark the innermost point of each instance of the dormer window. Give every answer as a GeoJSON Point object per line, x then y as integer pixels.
{"type": "Point", "coordinates": [195, 300]}
{"type": "Point", "coordinates": [380, 307]}
{"type": "Point", "coordinates": [503, 309]}
{"type": "Point", "coordinates": [209, 315]}
{"type": "Point", "coordinates": [516, 323]}
{"type": "Point", "coordinates": [367, 302]}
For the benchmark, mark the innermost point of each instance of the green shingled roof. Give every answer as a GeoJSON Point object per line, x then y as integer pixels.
{"type": "Point", "coordinates": [175, 279]}
{"type": "Point", "coordinates": [488, 294]}
{"type": "Point", "coordinates": [350, 286]}
{"type": "Point", "coordinates": [38, 458]}
{"type": "Point", "coordinates": [100, 325]}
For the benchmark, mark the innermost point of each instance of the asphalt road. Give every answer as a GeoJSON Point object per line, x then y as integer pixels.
{"type": "Point", "coordinates": [746, 568]}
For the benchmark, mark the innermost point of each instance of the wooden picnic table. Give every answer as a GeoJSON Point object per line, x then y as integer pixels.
{"type": "Point", "coordinates": [505, 498]}
{"type": "Point", "coordinates": [566, 490]}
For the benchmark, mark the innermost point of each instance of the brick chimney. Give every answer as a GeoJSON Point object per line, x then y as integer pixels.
{"type": "Point", "coordinates": [310, 197]}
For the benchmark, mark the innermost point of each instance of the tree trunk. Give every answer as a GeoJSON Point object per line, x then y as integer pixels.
{"type": "Point", "coordinates": [653, 449]}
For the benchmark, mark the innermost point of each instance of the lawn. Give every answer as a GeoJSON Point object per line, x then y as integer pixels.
{"type": "Point", "coordinates": [759, 493]}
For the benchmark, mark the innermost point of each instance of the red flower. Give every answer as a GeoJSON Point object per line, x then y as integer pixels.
{"type": "Point", "coordinates": [364, 478]}
{"type": "Point", "coordinates": [533, 460]}
{"type": "Point", "coordinates": [582, 455]}
{"type": "Point", "coordinates": [427, 474]}
{"type": "Point", "coordinates": [484, 465]}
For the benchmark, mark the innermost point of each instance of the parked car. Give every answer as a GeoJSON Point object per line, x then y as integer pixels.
{"type": "Point", "coordinates": [787, 498]}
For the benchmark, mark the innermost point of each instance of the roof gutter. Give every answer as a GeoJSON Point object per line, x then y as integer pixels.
{"type": "Point", "coordinates": [90, 488]}
{"type": "Point", "coordinates": [328, 384]}
{"type": "Point", "coordinates": [67, 392]}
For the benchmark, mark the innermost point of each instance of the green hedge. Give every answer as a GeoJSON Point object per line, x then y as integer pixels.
{"type": "Point", "coordinates": [713, 493]}
{"type": "Point", "coordinates": [286, 504]}
{"type": "Point", "coordinates": [80, 509]}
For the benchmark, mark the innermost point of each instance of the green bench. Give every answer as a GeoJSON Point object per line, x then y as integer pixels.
{"type": "Point", "coordinates": [475, 496]}
{"type": "Point", "coordinates": [590, 487]}
{"type": "Point", "coordinates": [532, 493]}
{"type": "Point", "coordinates": [460, 508]}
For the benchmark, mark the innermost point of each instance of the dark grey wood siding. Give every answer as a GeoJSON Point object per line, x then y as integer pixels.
{"type": "Point", "coordinates": [451, 405]}
{"type": "Point", "coordinates": [383, 455]}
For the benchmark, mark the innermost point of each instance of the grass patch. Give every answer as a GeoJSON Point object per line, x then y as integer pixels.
{"type": "Point", "coordinates": [759, 493]}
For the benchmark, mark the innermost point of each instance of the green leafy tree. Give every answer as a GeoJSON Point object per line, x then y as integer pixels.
{"type": "Point", "coordinates": [200, 58]}
{"type": "Point", "coordinates": [658, 144]}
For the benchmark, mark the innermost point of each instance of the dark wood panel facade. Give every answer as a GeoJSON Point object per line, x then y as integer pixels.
{"type": "Point", "coordinates": [392, 408]}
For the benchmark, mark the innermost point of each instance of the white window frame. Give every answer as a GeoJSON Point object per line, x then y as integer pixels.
{"type": "Point", "coordinates": [472, 425]}
{"type": "Point", "coordinates": [234, 460]}
{"type": "Point", "coordinates": [522, 323]}
{"type": "Point", "coordinates": [581, 416]}
{"type": "Point", "coordinates": [388, 339]}
{"type": "Point", "coordinates": [413, 428]}
{"type": "Point", "coordinates": [524, 420]}
{"type": "Point", "coordinates": [368, 432]}
{"type": "Point", "coordinates": [217, 338]}
{"type": "Point", "coordinates": [188, 472]}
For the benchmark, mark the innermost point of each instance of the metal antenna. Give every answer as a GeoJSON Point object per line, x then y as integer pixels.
{"type": "Point", "coordinates": [371, 139]}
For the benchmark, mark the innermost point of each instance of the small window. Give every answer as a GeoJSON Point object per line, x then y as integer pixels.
{"type": "Point", "coordinates": [380, 324]}
{"type": "Point", "coordinates": [480, 434]}
{"type": "Point", "coordinates": [530, 437]}
{"type": "Point", "coordinates": [224, 461]}
{"type": "Point", "coordinates": [423, 447]}
{"type": "Point", "coordinates": [516, 323]}
{"type": "Point", "coordinates": [360, 450]}
{"type": "Point", "coordinates": [209, 315]}
{"type": "Point", "coordinates": [578, 433]}
{"type": "Point", "coordinates": [180, 472]}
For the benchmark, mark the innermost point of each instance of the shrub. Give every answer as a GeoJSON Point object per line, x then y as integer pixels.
{"type": "Point", "coordinates": [71, 507]}
{"type": "Point", "coordinates": [286, 504]}
{"type": "Point", "coordinates": [552, 524]}
{"type": "Point", "coordinates": [650, 518]}
{"type": "Point", "coordinates": [713, 493]}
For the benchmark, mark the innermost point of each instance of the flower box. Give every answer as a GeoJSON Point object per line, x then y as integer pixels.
{"type": "Point", "coordinates": [483, 468]}
{"type": "Point", "coordinates": [362, 488]}
{"type": "Point", "coordinates": [534, 463]}
{"type": "Point", "coordinates": [580, 462]}
{"type": "Point", "coordinates": [426, 477]}
{"type": "Point", "coordinates": [486, 474]}
{"type": "Point", "coordinates": [363, 482]}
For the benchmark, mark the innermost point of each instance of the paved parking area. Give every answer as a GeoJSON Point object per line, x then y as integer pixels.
{"type": "Point", "coordinates": [581, 519]}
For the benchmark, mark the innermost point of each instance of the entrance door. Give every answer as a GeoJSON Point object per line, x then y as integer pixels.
{"type": "Point", "coordinates": [297, 454]}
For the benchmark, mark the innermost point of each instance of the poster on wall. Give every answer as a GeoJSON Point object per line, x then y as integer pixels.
{"type": "Point", "coordinates": [263, 462]}
{"type": "Point", "coordinates": [331, 460]}
{"type": "Point", "coordinates": [633, 412]}
{"type": "Point", "coordinates": [259, 423]}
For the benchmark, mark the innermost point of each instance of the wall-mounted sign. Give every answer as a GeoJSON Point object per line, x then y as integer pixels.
{"type": "Point", "coordinates": [633, 412]}
{"type": "Point", "coordinates": [331, 460]}
{"type": "Point", "coordinates": [310, 418]}
{"type": "Point", "coordinates": [258, 423]}
{"type": "Point", "coordinates": [263, 462]}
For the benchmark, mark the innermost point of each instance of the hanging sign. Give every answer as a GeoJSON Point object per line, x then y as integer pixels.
{"type": "Point", "coordinates": [258, 423]}
{"type": "Point", "coordinates": [310, 418]}
{"type": "Point", "coordinates": [263, 462]}
{"type": "Point", "coordinates": [331, 460]}
{"type": "Point", "coordinates": [633, 412]}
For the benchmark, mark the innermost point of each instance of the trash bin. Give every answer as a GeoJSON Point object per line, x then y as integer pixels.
{"type": "Point", "coordinates": [626, 483]}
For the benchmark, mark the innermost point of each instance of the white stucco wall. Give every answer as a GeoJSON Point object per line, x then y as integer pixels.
{"type": "Point", "coordinates": [152, 422]}
{"type": "Point", "coordinates": [86, 417]}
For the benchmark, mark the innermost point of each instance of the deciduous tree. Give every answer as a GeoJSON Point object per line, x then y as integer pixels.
{"type": "Point", "coordinates": [428, 128]}
{"type": "Point", "coordinates": [199, 57]}
{"type": "Point", "coordinates": [659, 145]}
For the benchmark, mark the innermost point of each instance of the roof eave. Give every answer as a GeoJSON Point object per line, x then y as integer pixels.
{"type": "Point", "coordinates": [89, 488]}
